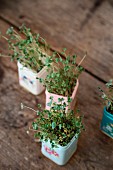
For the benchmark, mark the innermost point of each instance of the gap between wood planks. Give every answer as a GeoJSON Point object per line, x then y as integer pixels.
{"type": "Point", "coordinates": [87, 71]}
{"type": "Point", "coordinates": [92, 10]}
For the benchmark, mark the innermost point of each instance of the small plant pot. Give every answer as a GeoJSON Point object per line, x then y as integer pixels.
{"type": "Point", "coordinates": [27, 79]}
{"type": "Point", "coordinates": [107, 123]}
{"type": "Point", "coordinates": [59, 155]}
{"type": "Point", "coordinates": [55, 97]}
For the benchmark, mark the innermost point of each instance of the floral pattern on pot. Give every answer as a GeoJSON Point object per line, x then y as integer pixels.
{"type": "Point", "coordinates": [51, 151]}
{"type": "Point", "coordinates": [26, 80]}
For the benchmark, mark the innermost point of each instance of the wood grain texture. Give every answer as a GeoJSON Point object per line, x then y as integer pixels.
{"type": "Point", "coordinates": [77, 25]}
{"type": "Point", "coordinates": [18, 149]}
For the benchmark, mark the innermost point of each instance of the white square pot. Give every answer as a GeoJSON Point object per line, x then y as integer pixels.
{"type": "Point", "coordinates": [27, 79]}
{"type": "Point", "coordinates": [59, 155]}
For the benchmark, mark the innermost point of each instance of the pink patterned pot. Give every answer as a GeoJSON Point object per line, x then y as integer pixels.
{"type": "Point", "coordinates": [55, 97]}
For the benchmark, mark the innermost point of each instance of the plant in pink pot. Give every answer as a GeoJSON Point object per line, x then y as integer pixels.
{"type": "Point", "coordinates": [62, 78]}
{"type": "Point", "coordinates": [58, 131]}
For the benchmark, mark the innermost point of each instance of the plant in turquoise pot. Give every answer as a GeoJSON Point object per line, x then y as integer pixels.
{"type": "Point", "coordinates": [58, 131]}
{"type": "Point", "coordinates": [31, 51]}
{"type": "Point", "coordinates": [107, 119]}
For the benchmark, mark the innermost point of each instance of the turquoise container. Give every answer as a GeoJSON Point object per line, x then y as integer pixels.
{"type": "Point", "coordinates": [107, 123]}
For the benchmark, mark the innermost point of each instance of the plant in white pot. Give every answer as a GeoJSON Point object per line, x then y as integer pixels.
{"type": "Point", "coordinates": [58, 131]}
{"type": "Point", "coordinates": [31, 52]}
{"type": "Point", "coordinates": [107, 118]}
{"type": "Point", "coordinates": [62, 78]}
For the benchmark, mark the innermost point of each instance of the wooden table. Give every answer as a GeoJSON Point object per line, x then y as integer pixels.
{"type": "Point", "coordinates": [79, 26]}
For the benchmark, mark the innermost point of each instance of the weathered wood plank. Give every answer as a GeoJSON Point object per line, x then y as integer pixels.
{"type": "Point", "coordinates": [78, 25]}
{"type": "Point", "coordinates": [17, 148]}
{"type": "Point", "coordinates": [19, 151]}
